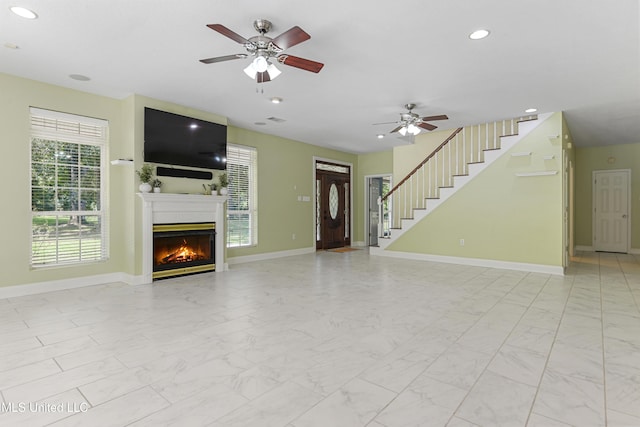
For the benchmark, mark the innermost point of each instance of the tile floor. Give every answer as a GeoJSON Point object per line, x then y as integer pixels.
{"type": "Point", "coordinates": [333, 339]}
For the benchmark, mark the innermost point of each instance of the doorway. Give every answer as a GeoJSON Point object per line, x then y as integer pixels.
{"type": "Point", "coordinates": [375, 226]}
{"type": "Point", "coordinates": [611, 210]}
{"type": "Point", "coordinates": [333, 205]}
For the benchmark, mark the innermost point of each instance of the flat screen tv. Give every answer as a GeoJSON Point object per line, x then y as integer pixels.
{"type": "Point", "coordinates": [172, 139]}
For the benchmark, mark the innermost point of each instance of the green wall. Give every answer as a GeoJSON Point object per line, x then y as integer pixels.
{"type": "Point", "coordinates": [501, 216]}
{"type": "Point", "coordinates": [285, 171]}
{"type": "Point", "coordinates": [620, 156]}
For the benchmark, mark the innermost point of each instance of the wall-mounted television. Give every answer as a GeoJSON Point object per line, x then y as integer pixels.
{"type": "Point", "coordinates": [172, 139]}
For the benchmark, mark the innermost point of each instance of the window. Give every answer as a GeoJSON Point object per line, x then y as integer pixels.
{"type": "Point", "coordinates": [242, 205]}
{"type": "Point", "coordinates": [67, 206]}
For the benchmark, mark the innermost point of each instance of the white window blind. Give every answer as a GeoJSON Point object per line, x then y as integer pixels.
{"type": "Point", "coordinates": [242, 205]}
{"type": "Point", "coordinates": [68, 212]}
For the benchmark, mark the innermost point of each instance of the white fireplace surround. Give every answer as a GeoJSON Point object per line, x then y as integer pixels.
{"type": "Point", "coordinates": [167, 208]}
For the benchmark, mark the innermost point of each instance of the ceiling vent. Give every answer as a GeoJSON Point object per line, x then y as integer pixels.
{"type": "Point", "coordinates": [276, 119]}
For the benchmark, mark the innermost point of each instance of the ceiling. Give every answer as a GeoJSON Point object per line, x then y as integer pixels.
{"type": "Point", "coordinates": [577, 56]}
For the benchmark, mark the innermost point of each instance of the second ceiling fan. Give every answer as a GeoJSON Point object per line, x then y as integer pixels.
{"type": "Point", "coordinates": [412, 123]}
{"type": "Point", "coordinates": [264, 48]}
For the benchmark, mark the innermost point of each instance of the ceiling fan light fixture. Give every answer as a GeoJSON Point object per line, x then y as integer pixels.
{"type": "Point", "coordinates": [260, 64]}
{"type": "Point", "coordinates": [250, 71]}
{"type": "Point", "coordinates": [413, 129]}
{"type": "Point", "coordinates": [273, 71]}
{"type": "Point", "coordinates": [403, 130]}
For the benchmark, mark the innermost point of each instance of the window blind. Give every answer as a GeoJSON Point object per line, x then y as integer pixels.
{"type": "Point", "coordinates": [242, 204]}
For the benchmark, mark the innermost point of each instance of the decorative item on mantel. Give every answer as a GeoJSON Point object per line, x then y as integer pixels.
{"type": "Point", "coordinates": [213, 189]}
{"type": "Point", "coordinates": [224, 183]}
{"type": "Point", "coordinates": [145, 174]}
{"type": "Point", "coordinates": [156, 184]}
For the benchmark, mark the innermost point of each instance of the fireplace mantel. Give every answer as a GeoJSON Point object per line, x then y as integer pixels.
{"type": "Point", "coordinates": [168, 208]}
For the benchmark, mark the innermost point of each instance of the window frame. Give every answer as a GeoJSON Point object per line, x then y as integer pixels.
{"type": "Point", "coordinates": [77, 131]}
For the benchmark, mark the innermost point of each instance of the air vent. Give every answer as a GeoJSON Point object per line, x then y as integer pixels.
{"type": "Point", "coordinates": [276, 119]}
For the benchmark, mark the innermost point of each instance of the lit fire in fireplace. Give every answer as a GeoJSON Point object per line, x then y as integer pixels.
{"type": "Point", "coordinates": [184, 253]}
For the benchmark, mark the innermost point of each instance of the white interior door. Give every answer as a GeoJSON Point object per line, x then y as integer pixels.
{"type": "Point", "coordinates": [611, 211]}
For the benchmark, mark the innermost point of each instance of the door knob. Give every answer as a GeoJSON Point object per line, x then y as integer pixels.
{"type": "Point", "coordinates": [624, 216]}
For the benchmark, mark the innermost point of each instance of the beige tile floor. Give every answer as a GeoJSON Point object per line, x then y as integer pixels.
{"type": "Point", "coordinates": [331, 339]}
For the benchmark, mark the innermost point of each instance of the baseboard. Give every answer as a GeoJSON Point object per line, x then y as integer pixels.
{"type": "Point", "coordinates": [476, 262]}
{"type": "Point", "coordinates": [358, 244]}
{"type": "Point", "coordinates": [64, 284]}
{"type": "Point", "coordinates": [269, 255]}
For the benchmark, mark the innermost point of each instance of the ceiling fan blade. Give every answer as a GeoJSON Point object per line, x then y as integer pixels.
{"type": "Point", "coordinates": [262, 77]}
{"type": "Point", "coordinates": [291, 37]}
{"type": "Point", "coordinates": [303, 64]}
{"type": "Point", "coordinates": [397, 129]}
{"type": "Point", "coordinates": [427, 126]}
{"type": "Point", "coordinates": [228, 33]}
{"type": "Point", "coordinates": [430, 118]}
{"type": "Point", "coordinates": [385, 123]}
{"type": "Point", "coordinates": [223, 58]}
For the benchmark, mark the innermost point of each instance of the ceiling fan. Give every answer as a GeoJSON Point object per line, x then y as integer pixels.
{"type": "Point", "coordinates": [412, 123]}
{"type": "Point", "coordinates": [264, 48]}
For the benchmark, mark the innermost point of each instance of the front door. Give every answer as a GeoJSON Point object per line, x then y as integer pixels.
{"type": "Point", "coordinates": [611, 211]}
{"type": "Point", "coordinates": [333, 213]}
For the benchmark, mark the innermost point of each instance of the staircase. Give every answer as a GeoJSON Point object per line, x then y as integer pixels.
{"type": "Point", "coordinates": [460, 158]}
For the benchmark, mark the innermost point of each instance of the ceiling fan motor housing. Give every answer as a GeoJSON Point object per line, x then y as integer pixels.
{"type": "Point", "coordinates": [262, 26]}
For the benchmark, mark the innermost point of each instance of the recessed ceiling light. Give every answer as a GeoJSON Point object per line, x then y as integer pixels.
{"type": "Point", "coordinates": [276, 100]}
{"type": "Point", "coordinates": [380, 135]}
{"type": "Point", "coordinates": [479, 34]}
{"type": "Point", "coordinates": [530, 110]}
{"type": "Point", "coordinates": [79, 77]}
{"type": "Point", "coordinates": [23, 12]}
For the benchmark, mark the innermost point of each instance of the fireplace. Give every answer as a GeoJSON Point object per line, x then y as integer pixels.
{"type": "Point", "coordinates": [180, 249]}
{"type": "Point", "coordinates": [166, 209]}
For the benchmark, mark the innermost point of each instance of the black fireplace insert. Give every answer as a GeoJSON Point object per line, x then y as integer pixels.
{"type": "Point", "coordinates": [185, 248]}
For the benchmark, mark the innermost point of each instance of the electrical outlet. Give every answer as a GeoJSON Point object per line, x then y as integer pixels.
{"type": "Point", "coordinates": [293, 236]}
{"type": "Point", "coordinates": [461, 242]}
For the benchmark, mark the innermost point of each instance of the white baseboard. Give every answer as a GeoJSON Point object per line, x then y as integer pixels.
{"type": "Point", "coordinates": [64, 284]}
{"type": "Point", "coordinates": [358, 244]}
{"type": "Point", "coordinates": [269, 255]}
{"type": "Point", "coordinates": [476, 262]}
